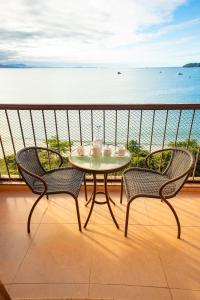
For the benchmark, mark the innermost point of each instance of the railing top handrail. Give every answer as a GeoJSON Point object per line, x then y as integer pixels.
{"type": "Point", "coordinates": [150, 106]}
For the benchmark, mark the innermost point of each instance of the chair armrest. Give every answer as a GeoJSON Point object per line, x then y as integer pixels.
{"type": "Point", "coordinates": [152, 153]}
{"type": "Point", "coordinates": [54, 152]}
{"type": "Point", "coordinates": [32, 175]}
{"type": "Point", "coordinates": [178, 181]}
{"type": "Point", "coordinates": [160, 151]}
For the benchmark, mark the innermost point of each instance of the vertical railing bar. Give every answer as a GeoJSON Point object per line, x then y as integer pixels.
{"type": "Point", "coordinates": [10, 131]}
{"type": "Point", "coordinates": [80, 128]}
{"type": "Point", "coordinates": [92, 125]}
{"type": "Point", "coordinates": [21, 128]}
{"type": "Point", "coordinates": [68, 128]}
{"type": "Point", "coordinates": [104, 127]}
{"type": "Point", "coordinates": [164, 136]}
{"type": "Point", "coordinates": [5, 159]}
{"type": "Point", "coordinates": [165, 129]}
{"type": "Point", "coordinates": [139, 140]}
{"type": "Point", "coordinates": [188, 142]}
{"type": "Point", "coordinates": [152, 130]}
{"type": "Point", "coordinates": [195, 164]}
{"type": "Point", "coordinates": [191, 125]}
{"type": "Point", "coordinates": [31, 117]}
{"type": "Point", "coordinates": [178, 125]}
{"type": "Point", "coordinates": [114, 175]}
{"type": "Point", "coordinates": [45, 129]}
{"type": "Point", "coordinates": [56, 125]}
{"type": "Point", "coordinates": [46, 139]}
{"type": "Point", "coordinates": [128, 128]}
{"type": "Point", "coordinates": [115, 127]}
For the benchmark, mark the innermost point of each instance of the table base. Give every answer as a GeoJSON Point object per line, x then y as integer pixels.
{"type": "Point", "coordinates": [94, 201]}
{"type": "Point", "coordinates": [99, 202]}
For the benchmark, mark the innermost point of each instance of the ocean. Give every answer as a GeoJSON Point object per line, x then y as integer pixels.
{"type": "Point", "coordinates": [100, 85]}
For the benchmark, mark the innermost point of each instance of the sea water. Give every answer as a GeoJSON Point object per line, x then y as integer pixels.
{"type": "Point", "coordinates": [100, 85]}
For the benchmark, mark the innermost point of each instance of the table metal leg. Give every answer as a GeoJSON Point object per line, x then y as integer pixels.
{"type": "Point", "coordinates": [108, 200]}
{"type": "Point", "coordinates": [92, 199]}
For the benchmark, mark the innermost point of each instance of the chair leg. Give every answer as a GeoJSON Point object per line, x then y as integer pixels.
{"type": "Point", "coordinates": [78, 214]}
{"type": "Point", "coordinates": [31, 212]}
{"type": "Point", "coordinates": [176, 217]}
{"type": "Point", "coordinates": [85, 188]}
{"type": "Point", "coordinates": [127, 218]}
{"type": "Point", "coordinates": [121, 194]}
{"type": "Point", "coordinates": [47, 197]}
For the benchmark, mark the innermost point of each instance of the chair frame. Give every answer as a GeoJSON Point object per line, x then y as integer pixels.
{"type": "Point", "coordinates": [161, 195]}
{"type": "Point", "coordinates": [44, 192]}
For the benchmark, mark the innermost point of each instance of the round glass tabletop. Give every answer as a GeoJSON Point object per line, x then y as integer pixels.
{"type": "Point", "coordinates": [101, 163]}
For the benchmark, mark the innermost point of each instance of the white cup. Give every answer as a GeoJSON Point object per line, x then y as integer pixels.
{"type": "Point", "coordinates": [107, 151]}
{"type": "Point", "coordinates": [80, 150]}
{"type": "Point", "coordinates": [95, 151]}
{"type": "Point", "coordinates": [121, 151]}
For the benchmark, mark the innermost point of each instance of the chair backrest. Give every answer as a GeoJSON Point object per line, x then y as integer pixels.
{"type": "Point", "coordinates": [180, 164]}
{"type": "Point", "coordinates": [27, 160]}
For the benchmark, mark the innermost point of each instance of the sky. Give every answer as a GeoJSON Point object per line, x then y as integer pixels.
{"type": "Point", "coordinates": [138, 33]}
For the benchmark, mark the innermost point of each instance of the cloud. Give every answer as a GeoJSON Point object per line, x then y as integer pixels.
{"type": "Point", "coordinates": [7, 55]}
{"type": "Point", "coordinates": [78, 30]}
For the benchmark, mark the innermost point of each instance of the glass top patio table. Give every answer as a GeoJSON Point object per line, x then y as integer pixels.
{"type": "Point", "coordinates": [101, 164]}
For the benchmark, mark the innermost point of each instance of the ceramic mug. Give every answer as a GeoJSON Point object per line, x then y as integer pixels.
{"type": "Point", "coordinates": [121, 151]}
{"type": "Point", "coordinates": [80, 150]}
{"type": "Point", "coordinates": [107, 151]}
{"type": "Point", "coordinates": [95, 151]}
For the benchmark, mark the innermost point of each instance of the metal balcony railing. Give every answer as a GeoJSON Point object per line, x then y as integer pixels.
{"type": "Point", "coordinates": [142, 128]}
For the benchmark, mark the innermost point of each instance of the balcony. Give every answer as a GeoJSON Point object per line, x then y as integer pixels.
{"type": "Point", "coordinates": [56, 260]}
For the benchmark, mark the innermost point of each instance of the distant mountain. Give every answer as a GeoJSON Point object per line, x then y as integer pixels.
{"type": "Point", "coordinates": [192, 65]}
{"type": "Point", "coordinates": [13, 66]}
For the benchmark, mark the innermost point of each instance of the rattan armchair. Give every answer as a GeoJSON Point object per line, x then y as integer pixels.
{"type": "Point", "coordinates": [149, 183]}
{"type": "Point", "coordinates": [42, 182]}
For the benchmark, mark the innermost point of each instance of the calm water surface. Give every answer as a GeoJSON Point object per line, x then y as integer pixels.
{"type": "Point", "coordinates": [100, 85]}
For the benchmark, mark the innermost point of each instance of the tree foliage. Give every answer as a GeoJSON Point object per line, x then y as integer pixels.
{"type": "Point", "coordinates": [138, 155]}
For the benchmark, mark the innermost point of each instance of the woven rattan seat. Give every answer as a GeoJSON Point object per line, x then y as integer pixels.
{"type": "Point", "coordinates": [61, 181]}
{"type": "Point", "coordinates": [145, 182]}
{"type": "Point", "coordinates": [55, 181]}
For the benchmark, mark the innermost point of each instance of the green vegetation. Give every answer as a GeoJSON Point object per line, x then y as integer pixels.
{"type": "Point", "coordinates": [138, 155]}
{"type": "Point", "coordinates": [49, 160]}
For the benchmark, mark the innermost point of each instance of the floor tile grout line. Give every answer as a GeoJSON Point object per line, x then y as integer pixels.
{"type": "Point", "coordinates": [86, 283]}
{"type": "Point", "coordinates": [94, 283]}
{"type": "Point", "coordinates": [20, 264]}
{"type": "Point", "coordinates": [28, 249]}
{"type": "Point", "coordinates": [165, 275]}
{"type": "Point", "coordinates": [162, 266]}
{"type": "Point", "coordinates": [103, 284]}
{"type": "Point", "coordinates": [90, 272]}
{"type": "Point", "coordinates": [164, 272]}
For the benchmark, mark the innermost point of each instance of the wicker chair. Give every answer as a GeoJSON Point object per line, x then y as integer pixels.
{"type": "Point", "coordinates": [42, 182]}
{"type": "Point", "coordinates": [145, 182]}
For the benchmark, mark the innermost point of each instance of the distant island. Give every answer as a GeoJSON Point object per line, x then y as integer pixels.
{"type": "Point", "coordinates": [20, 65]}
{"type": "Point", "coordinates": [192, 65]}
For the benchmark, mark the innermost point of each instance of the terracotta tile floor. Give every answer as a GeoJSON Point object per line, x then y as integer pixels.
{"type": "Point", "coordinates": [56, 260]}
